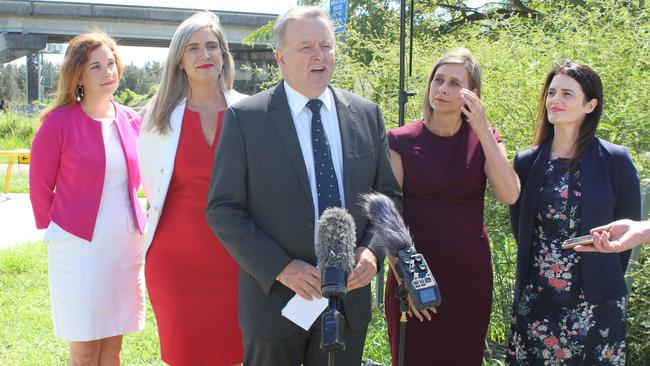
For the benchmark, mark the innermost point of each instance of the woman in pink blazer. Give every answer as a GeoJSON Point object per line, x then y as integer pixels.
{"type": "Point", "coordinates": [83, 182]}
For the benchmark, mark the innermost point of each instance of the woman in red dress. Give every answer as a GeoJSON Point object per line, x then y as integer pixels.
{"type": "Point", "coordinates": [442, 162]}
{"type": "Point", "coordinates": [191, 278]}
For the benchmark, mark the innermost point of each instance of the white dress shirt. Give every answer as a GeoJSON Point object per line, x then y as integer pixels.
{"type": "Point", "coordinates": [302, 122]}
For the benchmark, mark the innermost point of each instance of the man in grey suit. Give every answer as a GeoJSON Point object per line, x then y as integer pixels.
{"type": "Point", "coordinates": [285, 155]}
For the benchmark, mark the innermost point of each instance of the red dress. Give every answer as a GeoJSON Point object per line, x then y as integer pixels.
{"type": "Point", "coordinates": [444, 187]}
{"type": "Point", "coordinates": [191, 278]}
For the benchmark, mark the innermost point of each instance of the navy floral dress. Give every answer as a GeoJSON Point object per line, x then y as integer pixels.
{"type": "Point", "coordinates": [553, 323]}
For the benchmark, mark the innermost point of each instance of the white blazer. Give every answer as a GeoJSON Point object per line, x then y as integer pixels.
{"type": "Point", "coordinates": [156, 157]}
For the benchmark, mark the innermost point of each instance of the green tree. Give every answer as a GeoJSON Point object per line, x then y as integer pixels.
{"type": "Point", "coordinates": [516, 53]}
{"type": "Point", "coordinates": [140, 79]}
{"type": "Point", "coordinates": [9, 88]}
{"type": "Point", "coordinates": [50, 72]}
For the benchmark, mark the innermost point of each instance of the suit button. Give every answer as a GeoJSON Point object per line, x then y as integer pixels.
{"type": "Point", "coordinates": [310, 225]}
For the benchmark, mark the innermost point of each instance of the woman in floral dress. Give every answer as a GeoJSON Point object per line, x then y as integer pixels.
{"type": "Point", "coordinates": [570, 307]}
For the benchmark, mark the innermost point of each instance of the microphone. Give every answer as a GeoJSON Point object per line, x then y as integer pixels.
{"type": "Point", "coordinates": [393, 237]}
{"type": "Point", "coordinates": [390, 233]}
{"type": "Point", "coordinates": [335, 258]}
{"type": "Point", "coordinates": [335, 250]}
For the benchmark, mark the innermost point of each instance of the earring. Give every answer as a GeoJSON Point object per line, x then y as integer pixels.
{"type": "Point", "coordinates": [80, 92]}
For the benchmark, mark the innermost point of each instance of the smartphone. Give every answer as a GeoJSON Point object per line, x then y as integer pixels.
{"type": "Point", "coordinates": [581, 240]}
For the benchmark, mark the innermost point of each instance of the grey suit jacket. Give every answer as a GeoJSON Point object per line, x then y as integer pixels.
{"type": "Point", "coordinates": [260, 203]}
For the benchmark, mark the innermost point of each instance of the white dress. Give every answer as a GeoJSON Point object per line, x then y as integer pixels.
{"type": "Point", "coordinates": [97, 287]}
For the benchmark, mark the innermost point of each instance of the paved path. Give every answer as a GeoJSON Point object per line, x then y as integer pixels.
{"type": "Point", "coordinates": [16, 220]}
{"type": "Point", "coordinates": [23, 168]}
{"type": "Point", "coordinates": [17, 224]}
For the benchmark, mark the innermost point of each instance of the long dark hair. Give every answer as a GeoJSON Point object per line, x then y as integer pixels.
{"type": "Point", "coordinates": [592, 87]}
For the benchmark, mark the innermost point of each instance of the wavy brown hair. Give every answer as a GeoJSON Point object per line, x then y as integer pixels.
{"type": "Point", "coordinates": [592, 87]}
{"type": "Point", "coordinates": [76, 58]}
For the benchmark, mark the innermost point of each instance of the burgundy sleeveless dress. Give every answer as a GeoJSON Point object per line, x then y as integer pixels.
{"type": "Point", "coordinates": [444, 187]}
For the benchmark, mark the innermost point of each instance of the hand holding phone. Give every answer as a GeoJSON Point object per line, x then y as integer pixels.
{"type": "Point", "coordinates": [581, 240]}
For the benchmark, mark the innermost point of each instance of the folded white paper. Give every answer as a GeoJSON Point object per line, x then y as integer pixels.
{"type": "Point", "coordinates": [304, 312]}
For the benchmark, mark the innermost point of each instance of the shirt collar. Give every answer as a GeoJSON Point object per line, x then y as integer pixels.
{"type": "Point", "coordinates": [298, 102]}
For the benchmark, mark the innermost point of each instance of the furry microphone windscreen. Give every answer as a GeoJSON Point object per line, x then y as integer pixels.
{"type": "Point", "coordinates": [388, 228]}
{"type": "Point", "coordinates": [336, 240]}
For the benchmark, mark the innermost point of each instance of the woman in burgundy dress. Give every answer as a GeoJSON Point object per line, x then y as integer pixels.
{"type": "Point", "coordinates": [191, 278]}
{"type": "Point", "coordinates": [442, 162]}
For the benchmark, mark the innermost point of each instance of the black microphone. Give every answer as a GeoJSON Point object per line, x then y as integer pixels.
{"type": "Point", "coordinates": [335, 255]}
{"type": "Point", "coordinates": [394, 238]}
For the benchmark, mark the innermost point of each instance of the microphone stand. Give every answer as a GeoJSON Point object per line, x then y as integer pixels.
{"type": "Point", "coordinates": [401, 293]}
{"type": "Point", "coordinates": [333, 321]}
{"type": "Point", "coordinates": [403, 94]}
{"type": "Point", "coordinates": [331, 356]}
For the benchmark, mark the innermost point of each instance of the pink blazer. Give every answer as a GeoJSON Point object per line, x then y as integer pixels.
{"type": "Point", "coordinates": [68, 161]}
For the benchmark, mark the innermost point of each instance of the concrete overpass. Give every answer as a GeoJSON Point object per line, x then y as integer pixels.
{"type": "Point", "coordinates": [26, 27]}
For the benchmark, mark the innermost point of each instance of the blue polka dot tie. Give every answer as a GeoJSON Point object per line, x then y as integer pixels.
{"type": "Point", "coordinates": [326, 183]}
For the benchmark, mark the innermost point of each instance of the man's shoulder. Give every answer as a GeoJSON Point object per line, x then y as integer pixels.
{"type": "Point", "coordinates": [258, 102]}
{"type": "Point", "coordinates": [352, 99]}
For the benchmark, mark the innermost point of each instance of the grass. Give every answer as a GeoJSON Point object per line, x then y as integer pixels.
{"type": "Point", "coordinates": [19, 181]}
{"type": "Point", "coordinates": [17, 130]}
{"type": "Point", "coordinates": [26, 335]}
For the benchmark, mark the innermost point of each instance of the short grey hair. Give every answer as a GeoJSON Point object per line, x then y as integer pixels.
{"type": "Point", "coordinates": [297, 13]}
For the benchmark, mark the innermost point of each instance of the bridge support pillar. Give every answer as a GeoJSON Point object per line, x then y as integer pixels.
{"type": "Point", "coordinates": [34, 84]}
{"type": "Point", "coordinates": [17, 45]}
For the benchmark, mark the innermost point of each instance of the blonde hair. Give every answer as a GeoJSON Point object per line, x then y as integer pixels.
{"type": "Point", "coordinates": [458, 56]}
{"type": "Point", "coordinates": [173, 85]}
{"type": "Point", "coordinates": [74, 61]}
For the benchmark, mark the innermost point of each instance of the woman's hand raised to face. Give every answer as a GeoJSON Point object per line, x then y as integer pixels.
{"type": "Point", "coordinates": [473, 110]}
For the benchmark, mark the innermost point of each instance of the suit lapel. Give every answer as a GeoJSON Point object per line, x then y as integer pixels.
{"type": "Point", "coordinates": [172, 139]}
{"type": "Point", "coordinates": [590, 178]}
{"type": "Point", "coordinates": [348, 127]}
{"type": "Point", "coordinates": [282, 122]}
{"type": "Point", "coordinates": [531, 191]}
{"type": "Point", "coordinates": [119, 120]}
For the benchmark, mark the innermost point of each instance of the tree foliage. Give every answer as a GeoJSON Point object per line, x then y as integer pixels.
{"type": "Point", "coordinates": [13, 81]}
{"type": "Point", "coordinates": [140, 79]}
{"type": "Point", "coordinates": [516, 53]}
{"type": "Point", "coordinates": [9, 88]}
{"type": "Point", "coordinates": [137, 84]}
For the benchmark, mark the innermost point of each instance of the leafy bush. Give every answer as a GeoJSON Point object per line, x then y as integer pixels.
{"type": "Point", "coordinates": [130, 98]}
{"type": "Point", "coordinates": [516, 54]}
{"type": "Point", "coordinates": [17, 130]}
{"type": "Point", "coordinates": [638, 349]}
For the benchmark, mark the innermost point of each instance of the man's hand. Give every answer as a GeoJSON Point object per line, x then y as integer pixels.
{"type": "Point", "coordinates": [617, 236]}
{"type": "Point", "coordinates": [364, 270]}
{"type": "Point", "coordinates": [302, 278]}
